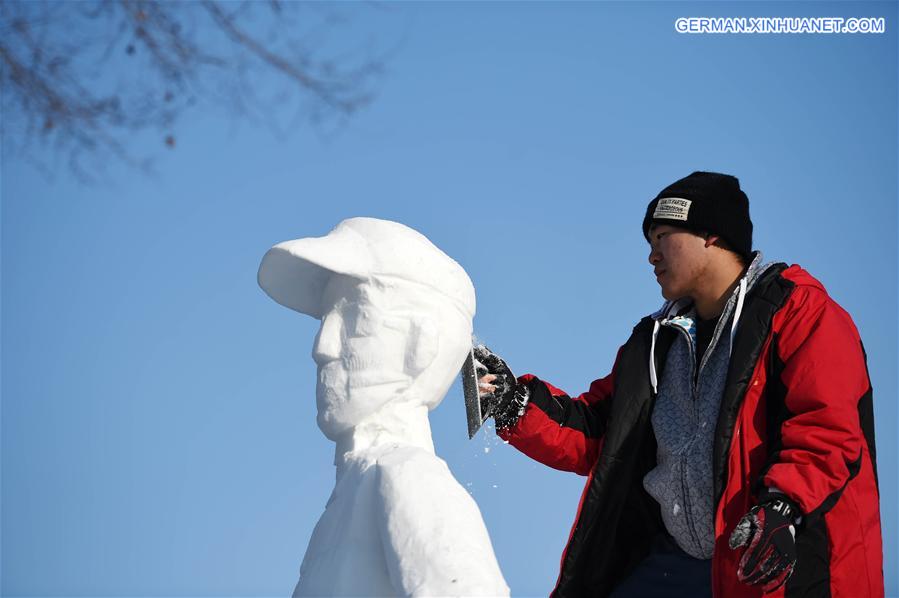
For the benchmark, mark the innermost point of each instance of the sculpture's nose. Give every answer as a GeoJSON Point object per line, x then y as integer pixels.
{"type": "Point", "coordinates": [328, 342]}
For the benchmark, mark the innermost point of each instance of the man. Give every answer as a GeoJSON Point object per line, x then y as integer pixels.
{"type": "Point", "coordinates": [730, 452]}
{"type": "Point", "coordinates": [396, 319]}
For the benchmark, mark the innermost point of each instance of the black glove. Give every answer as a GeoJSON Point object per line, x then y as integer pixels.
{"type": "Point", "coordinates": [768, 531]}
{"type": "Point", "coordinates": [508, 401]}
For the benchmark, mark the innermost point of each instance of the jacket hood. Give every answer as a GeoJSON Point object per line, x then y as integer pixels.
{"type": "Point", "coordinates": [800, 277]}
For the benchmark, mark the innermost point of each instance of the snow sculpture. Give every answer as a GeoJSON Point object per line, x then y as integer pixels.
{"type": "Point", "coordinates": [396, 321]}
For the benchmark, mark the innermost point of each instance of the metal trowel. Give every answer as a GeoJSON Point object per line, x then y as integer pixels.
{"type": "Point", "coordinates": [476, 411]}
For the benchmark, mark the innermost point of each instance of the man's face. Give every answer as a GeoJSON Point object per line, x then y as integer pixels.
{"type": "Point", "coordinates": [679, 258]}
{"type": "Point", "coordinates": [361, 353]}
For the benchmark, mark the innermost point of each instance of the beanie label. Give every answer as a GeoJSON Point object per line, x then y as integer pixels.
{"type": "Point", "coordinates": [672, 208]}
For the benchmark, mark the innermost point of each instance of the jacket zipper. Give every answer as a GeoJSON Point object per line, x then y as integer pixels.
{"type": "Point", "coordinates": [693, 374]}
{"type": "Point", "coordinates": [688, 511]}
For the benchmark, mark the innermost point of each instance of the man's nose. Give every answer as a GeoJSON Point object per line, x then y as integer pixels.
{"type": "Point", "coordinates": [654, 256]}
{"type": "Point", "coordinates": [327, 342]}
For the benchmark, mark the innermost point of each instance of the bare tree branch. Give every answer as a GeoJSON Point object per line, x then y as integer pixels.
{"type": "Point", "coordinates": [87, 76]}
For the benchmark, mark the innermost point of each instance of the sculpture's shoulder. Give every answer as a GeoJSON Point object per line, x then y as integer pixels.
{"type": "Point", "coordinates": [402, 462]}
{"type": "Point", "coordinates": [435, 538]}
{"type": "Point", "coordinates": [414, 475]}
{"type": "Point", "coordinates": [419, 479]}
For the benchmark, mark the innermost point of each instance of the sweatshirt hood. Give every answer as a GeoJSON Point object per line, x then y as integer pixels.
{"type": "Point", "coordinates": [676, 307]}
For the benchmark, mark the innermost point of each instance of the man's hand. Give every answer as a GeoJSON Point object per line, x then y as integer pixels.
{"type": "Point", "coordinates": [498, 387]}
{"type": "Point", "coordinates": [768, 533]}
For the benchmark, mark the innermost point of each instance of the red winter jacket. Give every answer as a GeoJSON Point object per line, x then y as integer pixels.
{"type": "Point", "coordinates": [796, 415]}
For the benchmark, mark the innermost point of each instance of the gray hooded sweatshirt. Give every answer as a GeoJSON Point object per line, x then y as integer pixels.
{"type": "Point", "coordinates": [685, 415]}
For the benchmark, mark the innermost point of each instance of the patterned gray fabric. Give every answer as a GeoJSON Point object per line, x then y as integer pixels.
{"type": "Point", "coordinates": [684, 419]}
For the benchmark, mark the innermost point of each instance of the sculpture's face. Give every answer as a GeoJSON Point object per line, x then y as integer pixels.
{"type": "Point", "coordinates": [364, 351]}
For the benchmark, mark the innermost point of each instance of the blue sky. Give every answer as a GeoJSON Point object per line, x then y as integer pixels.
{"type": "Point", "coordinates": [158, 417]}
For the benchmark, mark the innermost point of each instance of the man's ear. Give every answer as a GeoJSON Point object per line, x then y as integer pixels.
{"type": "Point", "coordinates": [711, 239]}
{"type": "Point", "coordinates": [422, 346]}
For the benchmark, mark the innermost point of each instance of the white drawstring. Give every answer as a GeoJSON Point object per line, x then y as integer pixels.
{"type": "Point", "coordinates": [652, 359]}
{"type": "Point", "coordinates": [737, 312]}
{"type": "Point", "coordinates": [653, 377]}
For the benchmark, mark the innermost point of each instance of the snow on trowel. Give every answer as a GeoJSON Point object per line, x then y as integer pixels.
{"type": "Point", "coordinates": [477, 411]}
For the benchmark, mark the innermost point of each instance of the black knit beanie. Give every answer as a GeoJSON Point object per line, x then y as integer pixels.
{"type": "Point", "coordinates": [705, 201]}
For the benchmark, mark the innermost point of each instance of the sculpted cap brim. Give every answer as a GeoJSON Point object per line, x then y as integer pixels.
{"type": "Point", "coordinates": [294, 273]}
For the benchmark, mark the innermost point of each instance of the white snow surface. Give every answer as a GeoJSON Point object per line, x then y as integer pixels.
{"type": "Point", "coordinates": [400, 525]}
{"type": "Point", "coordinates": [396, 326]}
